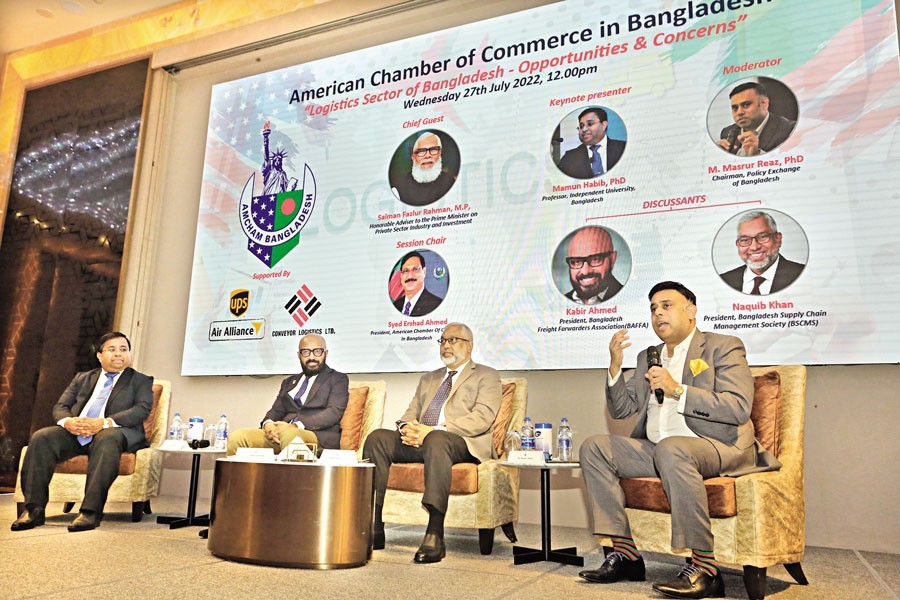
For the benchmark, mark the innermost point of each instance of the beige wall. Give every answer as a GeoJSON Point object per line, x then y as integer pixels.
{"type": "Point", "coordinates": [852, 411]}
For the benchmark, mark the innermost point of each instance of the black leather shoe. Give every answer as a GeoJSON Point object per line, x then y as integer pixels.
{"type": "Point", "coordinates": [692, 582]}
{"type": "Point", "coordinates": [378, 540]}
{"type": "Point", "coordinates": [432, 549]}
{"type": "Point", "coordinates": [85, 521]}
{"type": "Point", "coordinates": [616, 567]}
{"type": "Point", "coordinates": [29, 519]}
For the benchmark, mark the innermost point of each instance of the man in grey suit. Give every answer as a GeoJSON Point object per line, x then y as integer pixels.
{"type": "Point", "coordinates": [100, 414]}
{"type": "Point", "coordinates": [764, 270]}
{"type": "Point", "coordinates": [693, 423]}
{"type": "Point", "coordinates": [448, 421]}
{"type": "Point", "coordinates": [309, 405]}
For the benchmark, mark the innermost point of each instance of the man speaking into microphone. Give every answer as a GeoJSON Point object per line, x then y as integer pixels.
{"type": "Point", "coordinates": [692, 396]}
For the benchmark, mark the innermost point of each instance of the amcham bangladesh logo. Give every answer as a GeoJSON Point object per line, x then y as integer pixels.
{"type": "Point", "coordinates": [272, 221]}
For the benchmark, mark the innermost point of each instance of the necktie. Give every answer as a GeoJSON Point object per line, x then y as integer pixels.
{"type": "Point", "coordinates": [596, 161]}
{"type": "Point", "coordinates": [434, 409]}
{"type": "Point", "coordinates": [298, 397]}
{"type": "Point", "coordinates": [96, 407]}
{"type": "Point", "coordinates": [407, 308]}
{"type": "Point", "coordinates": [757, 281]}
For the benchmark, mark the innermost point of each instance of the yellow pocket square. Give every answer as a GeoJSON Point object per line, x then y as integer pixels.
{"type": "Point", "coordinates": [698, 365]}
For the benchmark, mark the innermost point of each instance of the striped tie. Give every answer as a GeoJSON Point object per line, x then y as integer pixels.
{"type": "Point", "coordinates": [96, 407]}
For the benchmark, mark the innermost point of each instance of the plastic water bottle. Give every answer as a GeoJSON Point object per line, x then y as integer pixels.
{"type": "Point", "coordinates": [527, 434]}
{"type": "Point", "coordinates": [222, 433]}
{"type": "Point", "coordinates": [564, 441]}
{"type": "Point", "coordinates": [175, 431]}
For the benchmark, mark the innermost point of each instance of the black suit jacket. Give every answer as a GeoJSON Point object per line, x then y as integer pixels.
{"type": "Point", "coordinates": [324, 407]}
{"type": "Point", "coordinates": [785, 275]}
{"type": "Point", "coordinates": [776, 131]}
{"type": "Point", "coordinates": [427, 302]}
{"type": "Point", "coordinates": [129, 403]}
{"type": "Point", "coordinates": [577, 163]}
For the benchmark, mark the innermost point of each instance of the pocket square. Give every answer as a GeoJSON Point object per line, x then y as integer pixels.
{"type": "Point", "coordinates": [698, 365]}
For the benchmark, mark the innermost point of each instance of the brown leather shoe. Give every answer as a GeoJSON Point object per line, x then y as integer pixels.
{"type": "Point", "coordinates": [29, 519]}
{"type": "Point", "coordinates": [85, 521]}
{"type": "Point", "coordinates": [692, 582]}
{"type": "Point", "coordinates": [432, 549]}
{"type": "Point", "coordinates": [616, 567]}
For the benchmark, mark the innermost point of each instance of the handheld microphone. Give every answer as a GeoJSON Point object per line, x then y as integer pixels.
{"type": "Point", "coordinates": [654, 361]}
{"type": "Point", "coordinates": [197, 444]}
{"type": "Point", "coordinates": [732, 142]}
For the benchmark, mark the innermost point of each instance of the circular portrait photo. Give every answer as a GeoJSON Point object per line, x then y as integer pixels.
{"type": "Point", "coordinates": [588, 142]}
{"type": "Point", "coordinates": [752, 116]}
{"type": "Point", "coordinates": [424, 167]}
{"type": "Point", "coordinates": [591, 265]}
{"type": "Point", "coordinates": [418, 283]}
{"type": "Point", "coordinates": [760, 252]}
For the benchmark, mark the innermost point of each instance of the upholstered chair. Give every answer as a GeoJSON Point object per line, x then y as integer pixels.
{"type": "Point", "coordinates": [138, 479]}
{"type": "Point", "coordinates": [482, 496]}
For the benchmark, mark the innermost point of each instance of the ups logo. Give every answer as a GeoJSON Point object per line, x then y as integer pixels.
{"type": "Point", "coordinates": [239, 301]}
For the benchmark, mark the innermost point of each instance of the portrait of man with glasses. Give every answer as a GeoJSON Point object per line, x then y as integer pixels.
{"type": "Point", "coordinates": [424, 173]}
{"type": "Point", "coordinates": [597, 153]}
{"type": "Point", "coordinates": [764, 270]}
{"type": "Point", "coordinates": [406, 284]}
{"type": "Point", "coordinates": [309, 405]}
{"type": "Point", "coordinates": [589, 256]}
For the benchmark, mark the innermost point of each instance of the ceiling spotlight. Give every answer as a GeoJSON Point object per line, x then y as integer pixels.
{"type": "Point", "coordinates": [71, 6]}
{"type": "Point", "coordinates": [45, 12]}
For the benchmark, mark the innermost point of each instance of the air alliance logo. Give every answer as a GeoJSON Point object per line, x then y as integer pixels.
{"type": "Point", "coordinates": [273, 220]}
{"type": "Point", "coordinates": [239, 302]}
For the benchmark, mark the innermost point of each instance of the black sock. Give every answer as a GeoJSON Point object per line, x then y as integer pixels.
{"type": "Point", "coordinates": [379, 521]}
{"type": "Point", "coordinates": [435, 521]}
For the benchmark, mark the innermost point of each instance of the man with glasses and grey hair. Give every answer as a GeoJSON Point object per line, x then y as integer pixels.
{"type": "Point", "coordinates": [764, 270]}
{"type": "Point", "coordinates": [448, 421]}
{"type": "Point", "coordinates": [427, 180]}
{"type": "Point", "coordinates": [309, 405]}
{"type": "Point", "coordinates": [591, 258]}
{"type": "Point", "coordinates": [597, 153]}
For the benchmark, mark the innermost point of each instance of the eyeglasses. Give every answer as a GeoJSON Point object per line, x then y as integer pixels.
{"type": "Point", "coordinates": [415, 270]}
{"type": "Point", "coordinates": [422, 152]}
{"type": "Point", "coordinates": [113, 349]}
{"type": "Point", "coordinates": [451, 340]}
{"type": "Point", "coordinates": [762, 238]}
{"type": "Point", "coordinates": [595, 260]}
{"type": "Point", "coordinates": [315, 352]}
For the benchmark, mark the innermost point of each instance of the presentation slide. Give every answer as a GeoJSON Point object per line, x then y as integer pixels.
{"type": "Point", "coordinates": [535, 175]}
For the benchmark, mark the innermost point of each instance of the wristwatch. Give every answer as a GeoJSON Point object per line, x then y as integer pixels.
{"type": "Point", "coordinates": [679, 392]}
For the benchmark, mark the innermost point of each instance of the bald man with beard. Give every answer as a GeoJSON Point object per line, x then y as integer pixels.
{"type": "Point", "coordinates": [591, 258]}
{"type": "Point", "coordinates": [427, 180]}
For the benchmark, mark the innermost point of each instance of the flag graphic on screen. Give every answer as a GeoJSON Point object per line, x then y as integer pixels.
{"type": "Point", "coordinates": [272, 221]}
{"type": "Point", "coordinates": [302, 305]}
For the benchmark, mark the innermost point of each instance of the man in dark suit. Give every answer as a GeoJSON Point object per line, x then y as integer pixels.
{"type": "Point", "coordinates": [597, 153]}
{"type": "Point", "coordinates": [415, 301]}
{"type": "Point", "coordinates": [693, 423]}
{"type": "Point", "coordinates": [755, 130]}
{"type": "Point", "coordinates": [591, 258]}
{"type": "Point", "coordinates": [309, 405]}
{"type": "Point", "coordinates": [448, 421]}
{"type": "Point", "coordinates": [764, 270]}
{"type": "Point", "coordinates": [100, 414]}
